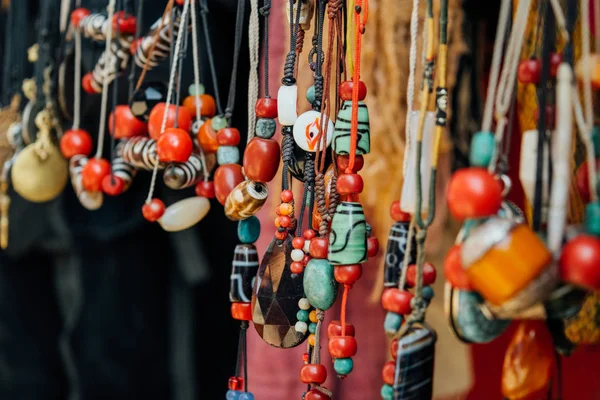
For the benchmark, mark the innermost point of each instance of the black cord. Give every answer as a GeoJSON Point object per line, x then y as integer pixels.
{"type": "Point", "coordinates": [209, 53]}
{"type": "Point", "coordinates": [180, 58]}
{"type": "Point", "coordinates": [239, 31]}
{"type": "Point", "coordinates": [571, 18]}
{"type": "Point", "coordinates": [317, 51]}
{"type": "Point", "coordinates": [138, 33]}
{"type": "Point", "coordinates": [128, 8]}
{"type": "Point", "coordinates": [15, 49]}
{"type": "Point", "coordinates": [290, 59]}
{"type": "Point", "coordinates": [265, 11]}
{"type": "Point", "coordinates": [47, 37]}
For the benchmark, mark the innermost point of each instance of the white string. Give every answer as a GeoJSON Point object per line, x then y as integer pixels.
{"type": "Point", "coordinates": [560, 19]}
{"type": "Point", "coordinates": [410, 91]}
{"type": "Point", "coordinates": [104, 102]}
{"type": "Point", "coordinates": [253, 42]}
{"type": "Point", "coordinates": [65, 7]}
{"type": "Point", "coordinates": [172, 75]}
{"type": "Point", "coordinates": [587, 97]}
{"type": "Point", "coordinates": [77, 85]}
{"type": "Point", "coordinates": [196, 59]}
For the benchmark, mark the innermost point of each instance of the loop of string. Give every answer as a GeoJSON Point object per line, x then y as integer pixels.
{"type": "Point", "coordinates": [253, 82]}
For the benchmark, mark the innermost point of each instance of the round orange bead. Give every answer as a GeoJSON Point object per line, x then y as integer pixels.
{"type": "Point", "coordinates": [298, 243]}
{"type": "Point", "coordinates": [397, 214]}
{"type": "Point", "coordinates": [349, 184]}
{"type": "Point", "coordinates": [342, 346]}
{"type": "Point", "coordinates": [315, 394]}
{"type": "Point", "coordinates": [261, 159]}
{"type": "Point", "coordinates": [342, 162]}
{"type": "Point", "coordinates": [241, 311]}
{"type": "Point", "coordinates": [388, 372]}
{"type": "Point", "coordinates": [184, 119]}
{"type": "Point", "coordinates": [346, 88]}
{"type": "Point", "coordinates": [208, 107]}
{"type": "Point", "coordinates": [309, 234]}
{"type": "Point", "coordinates": [347, 274]}
{"type": "Point", "coordinates": [397, 301]}
{"type": "Point", "coordinates": [285, 221]}
{"type": "Point", "coordinates": [372, 246]}
{"type": "Point", "coordinates": [266, 108]}
{"type": "Point", "coordinates": [296, 267]}
{"type": "Point", "coordinates": [207, 138]}
{"type": "Point", "coordinates": [286, 209]}
{"type": "Point", "coordinates": [226, 178]}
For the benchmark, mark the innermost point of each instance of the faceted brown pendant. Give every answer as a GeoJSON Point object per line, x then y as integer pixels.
{"type": "Point", "coordinates": [276, 295]}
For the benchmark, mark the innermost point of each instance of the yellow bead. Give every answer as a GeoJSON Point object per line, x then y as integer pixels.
{"type": "Point", "coordinates": [311, 340]}
{"type": "Point", "coordinates": [313, 316]}
{"type": "Point", "coordinates": [286, 209]}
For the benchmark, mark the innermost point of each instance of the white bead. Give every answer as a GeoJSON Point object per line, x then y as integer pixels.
{"type": "Point", "coordinates": [307, 130]}
{"type": "Point", "coordinates": [306, 246]}
{"type": "Point", "coordinates": [287, 102]}
{"type": "Point", "coordinates": [184, 214]}
{"type": "Point", "coordinates": [297, 255]}
{"type": "Point", "coordinates": [304, 304]}
{"type": "Point", "coordinates": [301, 327]}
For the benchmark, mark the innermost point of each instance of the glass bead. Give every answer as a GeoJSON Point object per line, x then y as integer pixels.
{"type": "Point", "coordinates": [196, 89]}
{"type": "Point", "coordinates": [428, 293]}
{"type": "Point", "coordinates": [249, 230]}
{"type": "Point", "coordinates": [310, 94]}
{"type": "Point", "coordinates": [343, 366]}
{"type": "Point", "coordinates": [218, 122]}
{"type": "Point", "coordinates": [265, 128]}
{"type": "Point", "coordinates": [387, 392]}
{"type": "Point", "coordinates": [312, 328]}
{"type": "Point", "coordinates": [228, 155]}
{"type": "Point", "coordinates": [592, 218]}
{"type": "Point", "coordinates": [482, 149]}
{"type": "Point", "coordinates": [287, 101]}
{"type": "Point", "coordinates": [348, 230]}
{"type": "Point", "coordinates": [392, 322]}
{"type": "Point", "coordinates": [307, 130]}
{"type": "Point", "coordinates": [301, 327]}
{"type": "Point", "coordinates": [302, 315]}
{"type": "Point", "coordinates": [304, 304]}
{"type": "Point", "coordinates": [246, 396]}
{"type": "Point", "coordinates": [232, 395]}
{"type": "Point", "coordinates": [341, 136]}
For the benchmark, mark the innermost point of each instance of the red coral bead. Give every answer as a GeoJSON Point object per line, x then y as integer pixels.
{"type": "Point", "coordinates": [306, 259]}
{"type": "Point", "coordinates": [319, 247]}
{"type": "Point", "coordinates": [235, 383]}
{"type": "Point", "coordinates": [208, 107]}
{"type": "Point", "coordinates": [285, 221]}
{"type": "Point", "coordinates": [174, 145]}
{"type": "Point", "coordinates": [87, 83]}
{"type": "Point", "coordinates": [555, 60]}
{"type": "Point", "coordinates": [335, 329]}
{"type": "Point", "coordinates": [266, 108]}
{"type": "Point", "coordinates": [388, 372]}
{"type": "Point", "coordinates": [453, 270]}
{"type": "Point", "coordinates": [226, 178]}
{"type": "Point", "coordinates": [93, 173]}
{"type": "Point", "coordinates": [154, 210]}
{"type": "Point", "coordinates": [184, 119]}
{"type": "Point", "coordinates": [205, 189]}
{"type": "Point", "coordinates": [309, 234]}
{"type": "Point", "coordinates": [397, 214]}
{"type": "Point", "coordinates": [347, 274]}
{"type": "Point", "coordinates": [372, 246]}
{"type": "Point", "coordinates": [287, 196]}
{"type": "Point", "coordinates": [429, 274]}
{"type": "Point", "coordinates": [78, 14]}
{"type": "Point", "coordinates": [579, 262]}
{"type": "Point", "coordinates": [394, 349]}
{"type": "Point", "coordinates": [261, 159]}
{"type": "Point", "coordinates": [473, 193]}
{"type": "Point", "coordinates": [529, 71]}
{"type": "Point", "coordinates": [342, 346]}
{"type": "Point", "coordinates": [296, 267]}
{"type": "Point", "coordinates": [342, 162]}
{"type": "Point", "coordinates": [75, 142]}
{"type": "Point", "coordinates": [241, 311]}
{"type": "Point", "coordinates": [126, 24]}
{"type": "Point", "coordinates": [298, 243]}
{"type": "Point", "coordinates": [346, 88]}
{"type": "Point", "coordinates": [126, 124]}
{"type": "Point", "coordinates": [135, 45]}
{"type": "Point", "coordinates": [313, 373]}
{"type": "Point", "coordinates": [113, 185]}
{"type": "Point", "coordinates": [583, 181]}
{"type": "Point", "coordinates": [315, 394]}
{"type": "Point", "coordinates": [349, 184]}
{"type": "Point", "coordinates": [280, 235]}
{"type": "Point", "coordinates": [396, 301]}
{"type": "Point", "coordinates": [207, 137]}
{"type": "Point", "coordinates": [228, 137]}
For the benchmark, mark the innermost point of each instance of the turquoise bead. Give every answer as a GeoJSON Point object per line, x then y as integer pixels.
{"type": "Point", "coordinates": [596, 140]}
{"type": "Point", "coordinates": [312, 328]}
{"type": "Point", "coordinates": [246, 396]}
{"type": "Point", "coordinates": [348, 238]}
{"type": "Point", "coordinates": [196, 89]}
{"type": "Point", "coordinates": [392, 323]}
{"type": "Point", "coordinates": [468, 321]}
{"type": "Point", "coordinates": [265, 128]}
{"type": "Point", "coordinates": [387, 392]}
{"type": "Point", "coordinates": [228, 155]}
{"type": "Point", "coordinates": [343, 366]}
{"type": "Point", "coordinates": [218, 122]}
{"type": "Point", "coordinates": [249, 230]}
{"type": "Point", "coordinates": [428, 293]}
{"type": "Point", "coordinates": [233, 395]}
{"type": "Point", "coordinates": [592, 218]}
{"type": "Point", "coordinates": [310, 94]}
{"type": "Point", "coordinates": [302, 315]}
{"type": "Point", "coordinates": [482, 149]}
{"type": "Point", "coordinates": [341, 134]}
{"type": "Point", "coordinates": [320, 285]}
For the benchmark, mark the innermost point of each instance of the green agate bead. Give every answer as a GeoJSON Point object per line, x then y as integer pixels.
{"type": "Point", "coordinates": [482, 149]}
{"type": "Point", "coordinates": [592, 218]}
{"type": "Point", "coordinates": [310, 94]}
{"type": "Point", "coordinates": [387, 392]}
{"type": "Point", "coordinates": [265, 128]}
{"type": "Point", "coordinates": [320, 285]}
{"type": "Point", "coordinates": [341, 134]}
{"type": "Point", "coordinates": [343, 366]}
{"type": "Point", "coordinates": [302, 315]}
{"type": "Point", "coordinates": [218, 122]}
{"type": "Point", "coordinates": [194, 89]}
{"type": "Point", "coordinates": [249, 230]}
{"type": "Point", "coordinates": [348, 238]}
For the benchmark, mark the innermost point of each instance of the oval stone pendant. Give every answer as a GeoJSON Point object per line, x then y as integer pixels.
{"type": "Point", "coordinates": [276, 295]}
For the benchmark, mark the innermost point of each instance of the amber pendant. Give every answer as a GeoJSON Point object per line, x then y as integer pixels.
{"type": "Point", "coordinates": [276, 295]}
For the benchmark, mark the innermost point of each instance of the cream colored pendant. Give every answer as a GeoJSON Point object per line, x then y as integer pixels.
{"type": "Point", "coordinates": [184, 214]}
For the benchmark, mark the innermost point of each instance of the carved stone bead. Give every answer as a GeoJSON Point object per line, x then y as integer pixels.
{"type": "Point", "coordinates": [265, 128]}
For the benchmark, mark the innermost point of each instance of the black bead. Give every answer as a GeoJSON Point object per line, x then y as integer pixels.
{"type": "Point", "coordinates": [146, 97]}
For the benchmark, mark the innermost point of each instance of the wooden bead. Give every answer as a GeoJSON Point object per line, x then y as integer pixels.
{"type": "Point", "coordinates": [335, 329]}
{"type": "Point", "coordinates": [207, 138]}
{"type": "Point", "coordinates": [397, 214]}
{"type": "Point", "coordinates": [287, 196]}
{"type": "Point", "coordinates": [245, 200]}
{"type": "Point", "coordinates": [342, 346]}
{"type": "Point", "coordinates": [319, 247]}
{"type": "Point", "coordinates": [205, 189]}
{"type": "Point", "coordinates": [343, 160]}
{"type": "Point", "coordinates": [76, 142]}
{"type": "Point", "coordinates": [125, 123]}
{"type": "Point", "coordinates": [429, 274]}
{"type": "Point", "coordinates": [208, 107]}
{"type": "Point", "coordinates": [241, 311]}
{"type": "Point", "coordinates": [396, 301]}
{"type": "Point", "coordinates": [347, 274]}
{"type": "Point", "coordinates": [261, 159]}
{"type": "Point", "coordinates": [346, 88]}
{"type": "Point", "coordinates": [226, 178]}
{"type": "Point", "coordinates": [473, 193]}
{"type": "Point", "coordinates": [228, 137]}
{"type": "Point", "coordinates": [313, 373]}
{"type": "Point", "coordinates": [154, 210]}
{"type": "Point", "coordinates": [174, 145]}
{"type": "Point", "coordinates": [266, 108]}
{"type": "Point", "coordinates": [184, 119]}
{"type": "Point", "coordinates": [93, 173]}
{"type": "Point", "coordinates": [349, 184]}
{"type": "Point", "coordinates": [388, 372]}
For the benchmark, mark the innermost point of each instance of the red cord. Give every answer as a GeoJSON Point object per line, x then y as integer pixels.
{"type": "Point", "coordinates": [343, 310]}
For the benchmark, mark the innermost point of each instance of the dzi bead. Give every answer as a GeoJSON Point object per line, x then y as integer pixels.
{"type": "Point", "coordinates": [245, 200]}
{"type": "Point", "coordinates": [341, 136]}
{"type": "Point", "coordinates": [414, 363]}
{"type": "Point", "coordinates": [320, 286]}
{"type": "Point", "coordinates": [261, 159]}
{"type": "Point", "coordinates": [243, 273]}
{"type": "Point", "coordinates": [348, 238]}
{"type": "Point", "coordinates": [187, 174]}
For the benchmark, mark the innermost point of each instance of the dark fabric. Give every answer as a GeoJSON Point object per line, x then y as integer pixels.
{"type": "Point", "coordinates": [104, 305]}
